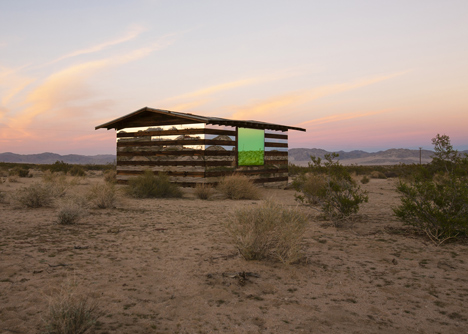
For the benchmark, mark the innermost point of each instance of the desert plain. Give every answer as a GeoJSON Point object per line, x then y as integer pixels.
{"type": "Point", "coordinates": [169, 266]}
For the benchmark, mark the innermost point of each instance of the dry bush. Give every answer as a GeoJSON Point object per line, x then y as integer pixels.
{"type": "Point", "coordinates": [57, 183]}
{"type": "Point", "coordinates": [70, 312]}
{"type": "Point", "coordinates": [311, 185]}
{"type": "Point", "coordinates": [13, 178]}
{"type": "Point", "coordinates": [365, 180]}
{"type": "Point", "coordinates": [70, 213]}
{"type": "Point", "coordinates": [149, 185]}
{"type": "Point", "coordinates": [102, 196]}
{"type": "Point", "coordinates": [35, 196]}
{"type": "Point", "coordinates": [3, 197]}
{"type": "Point", "coordinates": [238, 186]}
{"type": "Point", "coordinates": [377, 175]}
{"type": "Point", "coordinates": [204, 191]}
{"type": "Point", "coordinates": [268, 231]}
{"type": "Point", "coordinates": [110, 176]}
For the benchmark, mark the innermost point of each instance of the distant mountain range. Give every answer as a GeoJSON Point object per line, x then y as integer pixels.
{"type": "Point", "coordinates": [50, 158]}
{"type": "Point", "coordinates": [394, 156]}
{"type": "Point", "coordinates": [297, 156]}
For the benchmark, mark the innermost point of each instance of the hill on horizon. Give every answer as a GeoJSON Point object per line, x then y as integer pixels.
{"type": "Point", "coordinates": [297, 156]}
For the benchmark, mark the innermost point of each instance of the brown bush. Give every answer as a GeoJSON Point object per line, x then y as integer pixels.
{"type": "Point", "coordinates": [365, 180]}
{"type": "Point", "coordinates": [110, 176]}
{"type": "Point", "coordinates": [102, 196]}
{"type": "Point", "coordinates": [377, 175]}
{"type": "Point", "coordinates": [70, 213]}
{"type": "Point", "coordinates": [238, 186]}
{"type": "Point", "coordinates": [204, 191]}
{"type": "Point", "coordinates": [268, 231]}
{"type": "Point", "coordinates": [35, 196]}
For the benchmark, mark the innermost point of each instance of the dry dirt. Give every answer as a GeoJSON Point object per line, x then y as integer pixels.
{"type": "Point", "coordinates": [167, 266]}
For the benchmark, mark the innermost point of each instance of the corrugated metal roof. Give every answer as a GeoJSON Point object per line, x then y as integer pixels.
{"type": "Point", "coordinates": [154, 117]}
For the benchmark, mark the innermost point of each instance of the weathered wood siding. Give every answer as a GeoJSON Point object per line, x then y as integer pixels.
{"type": "Point", "coordinates": [188, 165]}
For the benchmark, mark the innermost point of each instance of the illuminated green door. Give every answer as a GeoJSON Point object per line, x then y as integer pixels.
{"type": "Point", "coordinates": [250, 147]}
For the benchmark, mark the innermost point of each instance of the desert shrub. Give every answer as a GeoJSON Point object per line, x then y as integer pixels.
{"type": "Point", "coordinates": [365, 179]}
{"type": "Point", "coordinates": [268, 231]}
{"type": "Point", "coordinates": [149, 185]}
{"type": "Point", "coordinates": [436, 201]}
{"type": "Point", "coordinates": [3, 197]}
{"type": "Point", "coordinates": [70, 312]}
{"type": "Point", "coordinates": [77, 171]}
{"type": "Point", "coordinates": [102, 196]}
{"type": "Point", "coordinates": [13, 179]}
{"type": "Point", "coordinates": [110, 176]}
{"type": "Point", "coordinates": [34, 196]}
{"type": "Point", "coordinates": [238, 186]}
{"type": "Point", "coordinates": [56, 182]}
{"type": "Point", "coordinates": [19, 171]}
{"type": "Point", "coordinates": [331, 187]}
{"type": "Point", "coordinates": [204, 191]}
{"type": "Point", "coordinates": [70, 213]}
{"type": "Point", "coordinates": [377, 175]}
{"type": "Point", "coordinates": [59, 166]}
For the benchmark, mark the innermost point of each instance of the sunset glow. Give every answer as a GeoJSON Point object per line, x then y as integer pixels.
{"type": "Point", "coordinates": [355, 74]}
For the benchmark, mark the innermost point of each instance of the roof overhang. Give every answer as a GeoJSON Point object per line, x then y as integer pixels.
{"type": "Point", "coordinates": [146, 117]}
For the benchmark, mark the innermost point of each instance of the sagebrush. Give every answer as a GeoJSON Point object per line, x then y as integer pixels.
{"type": "Point", "coordinates": [102, 196]}
{"type": "Point", "coordinates": [268, 231]}
{"type": "Point", "coordinates": [34, 196]}
{"type": "Point", "coordinates": [149, 185]}
{"type": "Point", "coordinates": [204, 191]}
{"type": "Point", "coordinates": [70, 213]}
{"type": "Point", "coordinates": [238, 186]}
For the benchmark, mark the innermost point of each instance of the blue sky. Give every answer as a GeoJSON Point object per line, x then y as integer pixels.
{"type": "Point", "coordinates": [365, 75]}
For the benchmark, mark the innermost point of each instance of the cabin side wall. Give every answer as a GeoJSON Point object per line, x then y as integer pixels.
{"type": "Point", "coordinates": [186, 165]}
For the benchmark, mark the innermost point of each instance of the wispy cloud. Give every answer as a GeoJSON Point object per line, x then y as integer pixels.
{"type": "Point", "coordinates": [276, 106]}
{"type": "Point", "coordinates": [129, 35]}
{"type": "Point", "coordinates": [339, 118]}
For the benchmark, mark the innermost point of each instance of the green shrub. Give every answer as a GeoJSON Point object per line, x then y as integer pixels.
{"type": "Point", "coordinates": [331, 187]}
{"type": "Point", "coordinates": [238, 186]}
{"type": "Point", "coordinates": [70, 312]}
{"type": "Point", "coordinates": [102, 196]}
{"type": "Point", "coordinates": [35, 196]}
{"type": "Point", "coordinates": [204, 191]}
{"type": "Point", "coordinates": [149, 185]}
{"type": "Point", "coordinates": [436, 202]}
{"type": "Point", "coordinates": [59, 166]}
{"type": "Point", "coordinates": [70, 213]}
{"type": "Point", "coordinates": [365, 180]}
{"type": "Point", "coordinates": [268, 231]}
{"type": "Point", "coordinates": [77, 171]}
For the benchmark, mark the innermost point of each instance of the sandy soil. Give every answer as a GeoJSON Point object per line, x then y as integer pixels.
{"type": "Point", "coordinates": [167, 266]}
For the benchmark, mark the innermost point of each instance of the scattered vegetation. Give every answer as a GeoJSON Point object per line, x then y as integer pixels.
{"type": "Point", "coordinates": [331, 186]}
{"type": "Point", "coordinates": [110, 176]}
{"type": "Point", "coordinates": [34, 196]}
{"type": "Point", "coordinates": [377, 175]}
{"type": "Point", "coordinates": [149, 185]}
{"type": "Point", "coordinates": [77, 170]}
{"type": "Point", "coordinates": [204, 191]}
{"type": "Point", "coordinates": [70, 213]}
{"type": "Point", "coordinates": [19, 171]}
{"type": "Point", "coordinates": [436, 202]}
{"type": "Point", "coordinates": [268, 231]}
{"type": "Point", "coordinates": [238, 186]}
{"type": "Point", "coordinates": [70, 312]}
{"type": "Point", "coordinates": [365, 180]}
{"type": "Point", "coordinates": [102, 196]}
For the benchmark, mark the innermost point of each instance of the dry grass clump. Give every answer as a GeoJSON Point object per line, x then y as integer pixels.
{"type": "Point", "coordinates": [34, 196]}
{"type": "Point", "coordinates": [70, 213]}
{"type": "Point", "coordinates": [365, 179]}
{"type": "Point", "coordinates": [204, 191]}
{"type": "Point", "coordinates": [377, 175]}
{"type": "Point", "coordinates": [102, 196]}
{"type": "Point", "coordinates": [57, 183]}
{"type": "Point", "coordinates": [149, 185]}
{"type": "Point", "coordinates": [238, 186]}
{"type": "Point", "coordinates": [110, 176]}
{"type": "Point", "coordinates": [3, 197]}
{"type": "Point", "coordinates": [70, 312]}
{"type": "Point", "coordinates": [268, 231]}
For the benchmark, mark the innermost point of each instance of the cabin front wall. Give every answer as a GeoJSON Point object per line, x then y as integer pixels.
{"type": "Point", "coordinates": [197, 155]}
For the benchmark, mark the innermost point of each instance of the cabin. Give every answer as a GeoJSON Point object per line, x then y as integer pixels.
{"type": "Point", "coordinates": [194, 149]}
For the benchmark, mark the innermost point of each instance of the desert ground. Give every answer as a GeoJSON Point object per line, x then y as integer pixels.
{"type": "Point", "coordinates": [169, 266]}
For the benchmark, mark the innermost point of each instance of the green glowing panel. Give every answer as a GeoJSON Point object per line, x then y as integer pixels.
{"type": "Point", "coordinates": [250, 147]}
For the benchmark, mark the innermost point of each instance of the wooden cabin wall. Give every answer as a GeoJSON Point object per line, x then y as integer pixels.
{"type": "Point", "coordinates": [187, 166]}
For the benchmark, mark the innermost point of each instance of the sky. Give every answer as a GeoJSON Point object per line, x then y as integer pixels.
{"type": "Point", "coordinates": [357, 75]}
